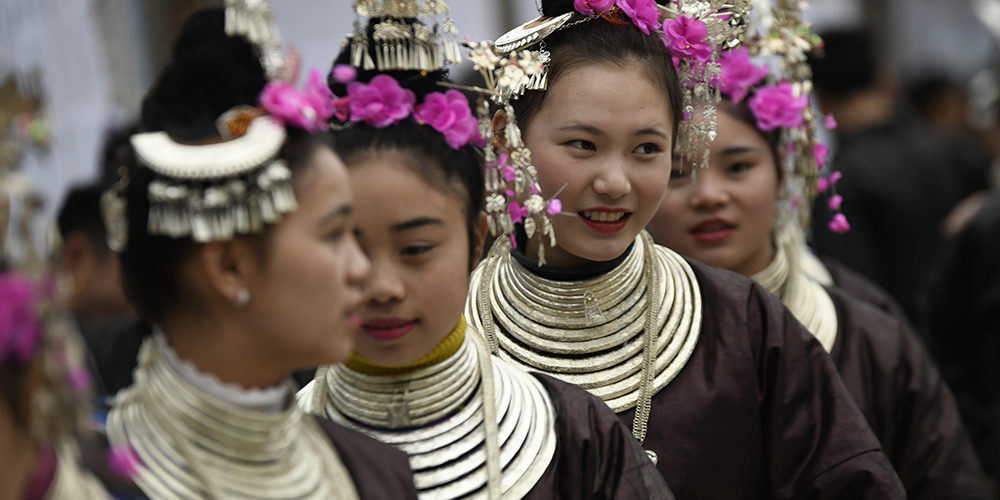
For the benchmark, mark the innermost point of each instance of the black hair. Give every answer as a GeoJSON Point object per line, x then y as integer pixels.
{"type": "Point", "coordinates": [13, 391]}
{"type": "Point", "coordinates": [210, 74]}
{"type": "Point", "coordinates": [115, 153]}
{"type": "Point", "coordinates": [603, 42]}
{"type": "Point", "coordinates": [435, 161]}
{"type": "Point", "coordinates": [930, 89]}
{"type": "Point", "coordinates": [845, 65]}
{"type": "Point", "coordinates": [742, 113]}
{"type": "Point", "coordinates": [81, 211]}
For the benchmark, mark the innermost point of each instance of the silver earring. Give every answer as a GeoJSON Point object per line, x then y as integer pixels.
{"type": "Point", "coordinates": [242, 298]}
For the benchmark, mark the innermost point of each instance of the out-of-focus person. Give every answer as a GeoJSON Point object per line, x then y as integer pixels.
{"type": "Point", "coordinates": [44, 391]}
{"type": "Point", "coordinates": [963, 324]}
{"type": "Point", "coordinates": [110, 327]}
{"type": "Point", "coordinates": [901, 178]}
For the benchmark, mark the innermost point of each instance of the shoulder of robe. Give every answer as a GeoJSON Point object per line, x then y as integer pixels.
{"type": "Point", "coordinates": [863, 323]}
{"type": "Point", "coordinates": [379, 471]}
{"type": "Point", "coordinates": [576, 404]}
{"type": "Point", "coordinates": [593, 439]}
{"type": "Point", "coordinates": [863, 288]}
{"type": "Point", "coordinates": [737, 305]}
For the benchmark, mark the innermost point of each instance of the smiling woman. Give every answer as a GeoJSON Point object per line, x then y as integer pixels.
{"type": "Point", "coordinates": [722, 387]}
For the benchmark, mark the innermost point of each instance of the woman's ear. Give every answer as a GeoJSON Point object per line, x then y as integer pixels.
{"type": "Point", "coordinates": [499, 126]}
{"type": "Point", "coordinates": [782, 177]}
{"type": "Point", "coordinates": [225, 266]}
{"type": "Point", "coordinates": [481, 229]}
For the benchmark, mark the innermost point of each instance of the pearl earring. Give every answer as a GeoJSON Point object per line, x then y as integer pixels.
{"type": "Point", "coordinates": [242, 298]}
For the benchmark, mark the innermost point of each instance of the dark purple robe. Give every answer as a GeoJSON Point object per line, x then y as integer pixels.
{"type": "Point", "coordinates": [759, 411]}
{"type": "Point", "coordinates": [864, 289]}
{"type": "Point", "coordinates": [907, 403]}
{"type": "Point", "coordinates": [596, 455]}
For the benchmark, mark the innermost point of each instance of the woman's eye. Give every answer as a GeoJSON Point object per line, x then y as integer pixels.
{"type": "Point", "coordinates": [336, 234]}
{"type": "Point", "coordinates": [647, 149]}
{"type": "Point", "coordinates": [415, 250]}
{"type": "Point", "coordinates": [585, 145]}
{"type": "Point", "coordinates": [740, 167]}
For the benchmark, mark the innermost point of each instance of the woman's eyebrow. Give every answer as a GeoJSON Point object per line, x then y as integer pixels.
{"type": "Point", "coordinates": [653, 131]}
{"type": "Point", "coordinates": [337, 213]}
{"type": "Point", "coordinates": [590, 129]}
{"type": "Point", "coordinates": [740, 150]}
{"type": "Point", "coordinates": [415, 223]}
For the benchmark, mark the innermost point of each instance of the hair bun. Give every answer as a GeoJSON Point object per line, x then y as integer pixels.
{"type": "Point", "coordinates": [210, 73]}
{"type": "Point", "coordinates": [553, 8]}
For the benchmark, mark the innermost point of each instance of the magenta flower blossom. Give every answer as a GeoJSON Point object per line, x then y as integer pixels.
{"type": "Point", "coordinates": [820, 153]}
{"type": "Point", "coordinates": [517, 212]}
{"type": "Point", "coordinates": [830, 122]}
{"type": "Point", "coordinates": [343, 73]}
{"type": "Point", "coordinates": [309, 109]}
{"type": "Point", "coordinates": [685, 38]}
{"type": "Point", "coordinates": [822, 184]}
{"type": "Point", "coordinates": [778, 107]}
{"type": "Point", "coordinates": [590, 7]}
{"type": "Point", "coordinates": [79, 380]}
{"type": "Point", "coordinates": [739, 74]}
{"type": "Point", "coordinates": [123, 460]}
{"type": "Point", "coordinates": [449, 114]}
{"type": "Point", "coordinates": [834, 177]}
{"type": "Point", "coordinates": [555, 206]}
{"type": "Point", "coordinates": [381, 102]}
{"type": "Point", "coordinates": [342, 109]}
{"type": "Point", "coordinates": [644, 13]}
{"type": "Point", "coordinates": [20, 327]}
{"type": "Point", "coordinates": [509, 173]}
{"type": "Point", "coordinates": [834, 202]}
{"type": "Point", "coordinates": [839, 224]}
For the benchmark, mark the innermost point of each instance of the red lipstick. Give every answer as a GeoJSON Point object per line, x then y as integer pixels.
{"type": "Point", "coordinates": [387, 329]}
{"type": "Point", "coordinates": [605, 220]}
{"type": "Point", "coordinates": [713, 230]}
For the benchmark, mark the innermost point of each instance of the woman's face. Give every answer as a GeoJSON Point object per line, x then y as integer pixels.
{"type": "Point", "coordinates": [416, 237]}
{"type": "Point", "coordinates": [724, 218]}
{"type": "Point", "coordinates": [604, 132]}
{"type": "Point", "coordinates": [307, 287]}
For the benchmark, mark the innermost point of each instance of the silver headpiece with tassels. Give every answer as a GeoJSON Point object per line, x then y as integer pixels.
{"type": "Point", "coordinates": [254, 20]}
{"type": "Point", "coordinates": [404, 45]}
{"type": "Point", "coordinates": [211, 192]}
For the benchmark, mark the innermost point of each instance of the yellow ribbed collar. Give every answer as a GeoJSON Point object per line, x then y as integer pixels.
{"type": "Point", "coordinates": [443, 351]}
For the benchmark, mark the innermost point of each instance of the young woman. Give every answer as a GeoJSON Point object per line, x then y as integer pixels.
{"type": "Point", "coordinates": [240, 248]}
{"type": "Point", "coordinates": [738, 215]}
{"type": "Point", "coordinates": [732, 396]}
{"type": "Point", "coordinates": [420, 378]}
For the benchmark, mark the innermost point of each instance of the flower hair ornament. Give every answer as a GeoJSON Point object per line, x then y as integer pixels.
{"type": "Point", "coordinates": [778, 96]}
{"type": "Point", "coordinates": [32, 330]}
{"type": "Point", "coordinates": [399, 43]}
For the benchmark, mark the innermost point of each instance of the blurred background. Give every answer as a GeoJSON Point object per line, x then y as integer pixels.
{"type": "Point", "coordinates": [72, 70]}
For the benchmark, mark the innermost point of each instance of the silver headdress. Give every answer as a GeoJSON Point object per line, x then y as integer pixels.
{"type": "Point", "coordinates": [400, 44]}
{"type": "Point", "coordinates": [254, 20]}
{"type": "Point", "coordinates": [211, 192]}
